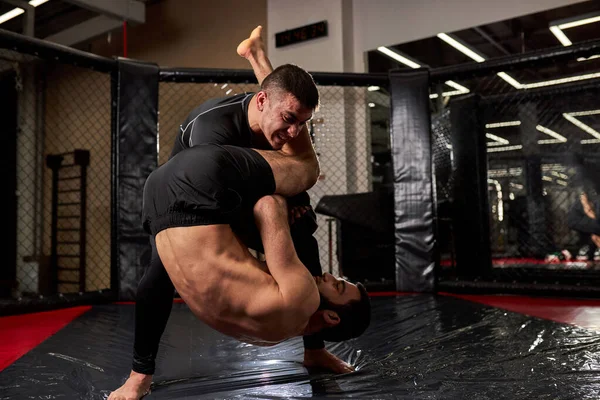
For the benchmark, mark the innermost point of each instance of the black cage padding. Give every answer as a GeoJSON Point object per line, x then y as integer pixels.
{"type": "Point", "coordinates": [136, 156]}
{"type": "Point", "coordinates": [413, 186]}
{"type": "Point", "coordinates": [470, 211]}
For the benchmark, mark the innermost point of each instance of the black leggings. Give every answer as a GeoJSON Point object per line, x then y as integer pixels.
{"type": "Point", "coordinates": [155, 292]}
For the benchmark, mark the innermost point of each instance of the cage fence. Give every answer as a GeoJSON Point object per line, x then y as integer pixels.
{"type": "Point", "coordinates": [540, 122]}
{"type": "Point", "coordinates": [57, 168]}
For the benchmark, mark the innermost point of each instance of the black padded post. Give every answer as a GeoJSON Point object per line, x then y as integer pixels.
{"type": "Point", "coordinates": [471, 203]}
{"type": "Point", "coordinates": [413, 188]}
{"type": "Point", "coordinates": [135, 135]}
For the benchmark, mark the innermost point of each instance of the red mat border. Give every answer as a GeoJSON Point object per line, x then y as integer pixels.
{"type": "Point", "coordinates": [21, 333]}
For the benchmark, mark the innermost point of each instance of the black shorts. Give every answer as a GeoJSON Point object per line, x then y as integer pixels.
{"type": "Point", "coordinates": [205, 185]}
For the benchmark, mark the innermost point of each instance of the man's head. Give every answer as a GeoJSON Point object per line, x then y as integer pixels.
{"type": "Point", "coordinates": [287, 100]}
{"type": "Point", "coordinates": [344, 312]}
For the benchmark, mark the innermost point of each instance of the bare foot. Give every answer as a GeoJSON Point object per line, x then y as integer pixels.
{"type": "Point", "coordinates": [253, 45]}
{"type": "Point", "coordinates": [136, 387]}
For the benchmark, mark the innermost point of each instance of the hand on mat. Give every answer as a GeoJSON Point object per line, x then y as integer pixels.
{"type": "Point", "coordinates": [297, 212]}
{"type": "Point", "coordinates": [321, 358]}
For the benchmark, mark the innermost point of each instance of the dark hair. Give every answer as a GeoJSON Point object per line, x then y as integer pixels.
{"type": "Point", "coordinates": [355, 317]}
{"type": "Point", "coordinates": [290, 78]}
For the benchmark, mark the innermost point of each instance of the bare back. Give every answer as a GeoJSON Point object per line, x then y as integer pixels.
{"type": "Point", "coordinates": [224, 285]}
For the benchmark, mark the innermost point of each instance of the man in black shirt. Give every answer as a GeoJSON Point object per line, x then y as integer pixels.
{"type": "Point", "coordinates": [251, 120]}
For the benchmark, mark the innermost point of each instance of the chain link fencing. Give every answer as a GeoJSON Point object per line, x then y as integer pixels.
{"type": "Point", "coordinates": [541, 122]}
{"type": "Point", "coordinates": [57, 143]}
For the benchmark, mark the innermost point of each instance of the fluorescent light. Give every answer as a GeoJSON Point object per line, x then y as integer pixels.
{"type": "Point", "coordinates": [460, 89]}
{"type": "Point", "coordinates": [560, 35]}
{"type": "Point", "coordinates": [497, 139]}
{"type": "Point", "coordinates": [580, 59]}
{"type": "Point", "coordinates": [456, 86]}
{"type": "Point", "coordinates": [373, 88]}
{"type": "Point", "coordinates": [229, 91]}
{"type": "Point", "coordinates": [371, 105]}
{"type": "Point", "coordinates": [461, 47]}
{"type": "Point", "coordinates": [550, 141]}
{"type": "Point", "coordinates": [590, 141]}
{"type": "Point", "coordinates": [550, 132]}
{"type": "Point", "coordinates": [36, 3]}
{"type": "Point", "coordinates": [11, 14]}
{"type": "Point", "coordinates": [547, 178]}
{"type": "Point", "coordinates": [447, 94]}
{"type": "Point", "coordinates": [560, 175]}
{"type": "Point", "coordinates": [15, 12]}
{"type": "Point", "coordinates": [583, 113]}
{"type": "Point", "coordinates": [588, 129]}
{"type": "Point", "coordinates": [580, 22]}
{"type": "Point", "coordinates": [561, 182]}
{"type": "Point", "coordinates": [398, 57]}
{"type": "Point", "coordinates": [561, 81]}
{"type": "Point", "coordinates": [510, 80]}
{"type": "Point", "coordinates": [502, 124]}
{"type": "Point", "coordinates": [507, 148]}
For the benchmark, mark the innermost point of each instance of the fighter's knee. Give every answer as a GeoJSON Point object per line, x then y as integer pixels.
{"type": "Point", "coordinates": [270, 205]}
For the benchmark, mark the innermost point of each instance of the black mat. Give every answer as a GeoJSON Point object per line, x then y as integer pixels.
{"type": "Point", "coordinates": [418, 347]}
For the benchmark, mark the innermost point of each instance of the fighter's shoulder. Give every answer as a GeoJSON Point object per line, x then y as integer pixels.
{"type": "Point", "coordinates": [221, 105]}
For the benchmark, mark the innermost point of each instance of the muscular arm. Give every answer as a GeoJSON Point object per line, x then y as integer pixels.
{"type": "Point", "coordinates": [297, 287]}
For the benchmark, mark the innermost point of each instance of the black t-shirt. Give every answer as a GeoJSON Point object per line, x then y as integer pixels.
{"type": "Point", "coordinates": [222, 120]}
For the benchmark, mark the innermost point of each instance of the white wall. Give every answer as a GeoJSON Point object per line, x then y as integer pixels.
{"type": "Point", "coordinates": [389, 22]}
{"type": "Point", "coordinates": [323, 54]}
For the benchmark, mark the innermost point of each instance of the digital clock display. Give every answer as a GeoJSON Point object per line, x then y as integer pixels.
{"type": "Point", "coordinates": [301, 34]}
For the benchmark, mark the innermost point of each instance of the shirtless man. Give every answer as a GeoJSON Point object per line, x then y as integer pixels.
{"type": "Point", "coordinates": [191, 202]}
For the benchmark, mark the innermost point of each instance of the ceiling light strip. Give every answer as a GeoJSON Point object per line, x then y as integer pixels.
{"type": "Point", "coordinates": [560, 35]}
{"type": "Point", "coordinates": [580, 59]}
{"type": "Point", "coordinates": [398, 57]}
{"type": "Point", "coordinates": [457, 86]}
{"type": "Point", "coordinates": [461, 47]}
{"type": "Point", "coordinates": [498, 139]}
{"type": "Point", "coordinates": [11, 14]}
{"type": "Point", "coordinates": [550, 141]}
{"type": "Point", "coordinates": [15, 12]}
{"type": "Point", "coordinates": [583, 113]}
{"type": "Point", "coordinates": [512, 81]}
{"type": "Point", "coordinates": [561, 81]}
{"type": "Point", "coordinates": [550, 132]}
{"type": "Point", "coordinates": [507, 148]}
{"type": "Point", "coordinates": [502, 124]}
{"type": "Point", "coordinates": [580, 22]}
{"type": "Point", "coordinates": [495, 144]}
{"type": "Point", "coordinates": [581, 125]}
